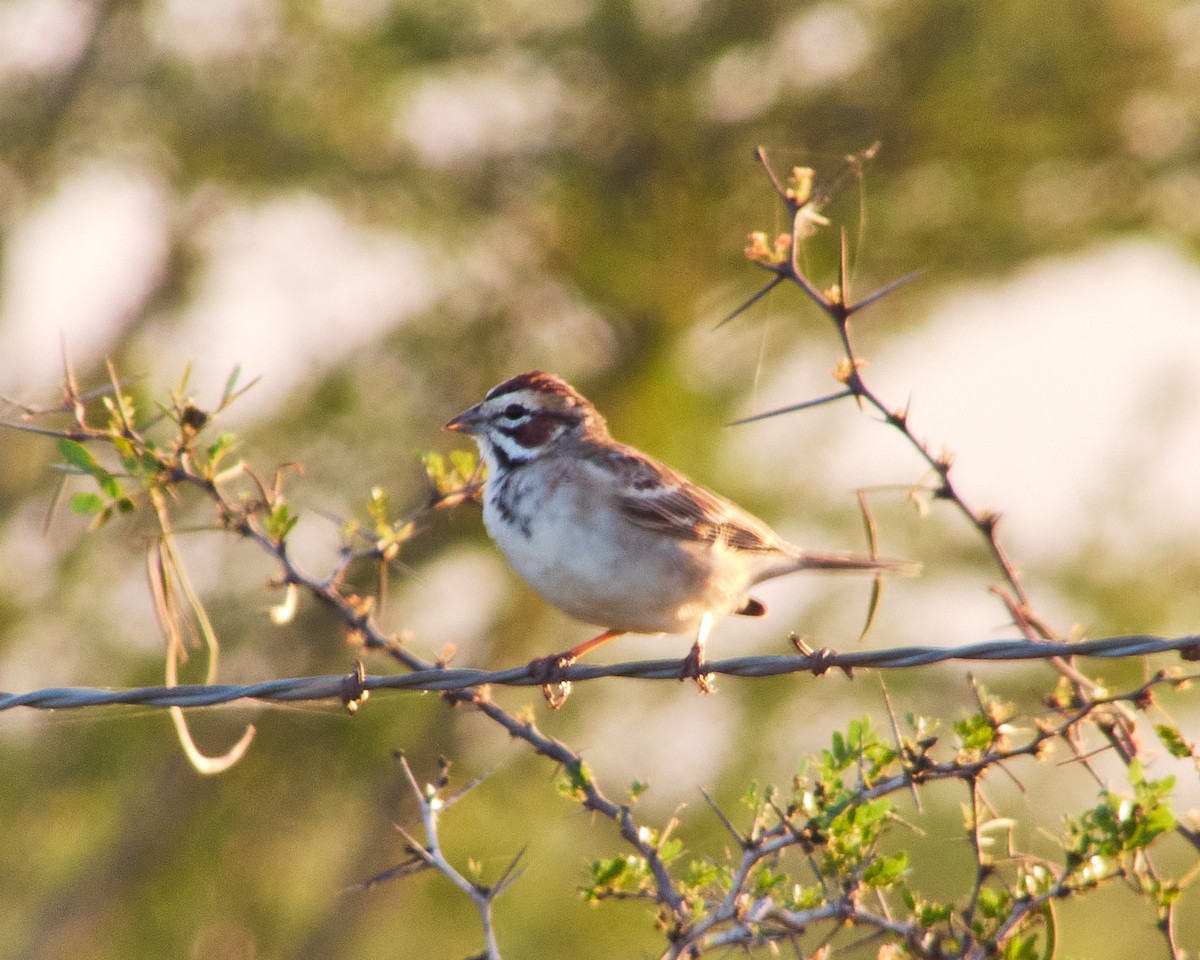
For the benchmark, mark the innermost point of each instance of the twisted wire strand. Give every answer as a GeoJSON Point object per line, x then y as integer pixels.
{"type": "Point", "coordinates": [350, 688]}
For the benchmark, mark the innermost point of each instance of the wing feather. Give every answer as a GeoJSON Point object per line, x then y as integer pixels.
{"type": "Point", "coordinates": [665, 501]}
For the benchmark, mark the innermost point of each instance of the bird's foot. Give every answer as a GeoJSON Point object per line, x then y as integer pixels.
{"type": "Point", "coordinates": [692, 668]}
{"type": "Point", "coordinates": [548, 671]}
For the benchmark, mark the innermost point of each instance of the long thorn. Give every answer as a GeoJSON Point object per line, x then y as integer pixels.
{"type": "Point", "coordinates": [761, 154]}
{"type": "Point", "coordinates": [510, 875]}
{"type": "Point", "coordinates": [844, 270]}
{"type": "Point", "coordinates": [80, 435]}
{"type": "Point", "coordinates": [883, 291]}
{"type": "Point", "coordinates": [830, 398]}
{"type": "Point", "coordinates": [724, 819]}
{"type": "Point", "coordinates": [462, 792]}
{"type": "Point", "coordinates": [776, 281]}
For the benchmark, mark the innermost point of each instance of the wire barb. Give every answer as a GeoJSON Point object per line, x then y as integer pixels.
{"type": "Point", "coordinates": [334, 687]}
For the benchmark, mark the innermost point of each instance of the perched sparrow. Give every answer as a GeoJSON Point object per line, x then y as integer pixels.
{"type": "Point", "coordinates": [612, 536]}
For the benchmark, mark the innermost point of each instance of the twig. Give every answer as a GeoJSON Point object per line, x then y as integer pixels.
{"type": "Point", "coordinates": [431, 804]}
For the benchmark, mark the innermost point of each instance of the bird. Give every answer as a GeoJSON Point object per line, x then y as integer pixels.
{"type": "Point", "coordinates": [611, 536]}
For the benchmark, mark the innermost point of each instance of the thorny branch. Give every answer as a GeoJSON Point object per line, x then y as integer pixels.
{"type": "Point", "coordinates": [834, 826]}
{"type": "Point", "coordinates": [262, 515]}
{"type": "Point", "coordinates": [782, 259]}
{"type": "Point", "coordinates": [428, 855]}
{"type": "Point", "coordinates": [748, 919]}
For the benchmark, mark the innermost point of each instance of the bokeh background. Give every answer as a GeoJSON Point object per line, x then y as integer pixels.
{"type": "Point", "coordinates": [383, 208]}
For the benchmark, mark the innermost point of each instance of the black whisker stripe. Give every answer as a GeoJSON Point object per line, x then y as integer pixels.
{"type": "Point", "coordinates": [503, 460]}
{"type": "Point", "coordinates": [503, 457]}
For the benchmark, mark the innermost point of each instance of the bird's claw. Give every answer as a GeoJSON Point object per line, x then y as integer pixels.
{"type": "Point", "coordinates": [692, 668]}
{"type": "Point", "coordinates": [548, 672]}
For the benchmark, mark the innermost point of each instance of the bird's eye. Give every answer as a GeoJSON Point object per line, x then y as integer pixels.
{"type": "Point", "coordinates": [514, 411]}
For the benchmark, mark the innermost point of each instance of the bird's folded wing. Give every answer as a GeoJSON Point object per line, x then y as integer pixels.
{"type": "Point", "coordinates": [666, 502]}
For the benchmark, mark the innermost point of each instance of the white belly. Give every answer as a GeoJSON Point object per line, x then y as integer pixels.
{"type": "Point", "coordinates": [593, 564]}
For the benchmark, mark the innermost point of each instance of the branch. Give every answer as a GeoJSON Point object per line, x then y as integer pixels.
{"type": "Point", "coordinates": [431, 804]}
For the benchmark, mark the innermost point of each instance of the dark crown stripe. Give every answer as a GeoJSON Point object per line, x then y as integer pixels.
{"type": "Point", "coordinates": [540, 382]}
{"type": "Point", "coordinates": [533, 380]}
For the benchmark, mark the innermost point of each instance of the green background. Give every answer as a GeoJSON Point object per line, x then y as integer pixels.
{"type": "Point", "coordinates": [574, 183]}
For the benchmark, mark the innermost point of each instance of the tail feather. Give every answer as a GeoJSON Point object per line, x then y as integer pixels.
{"type": "Point", "coordinates": [849, 562]}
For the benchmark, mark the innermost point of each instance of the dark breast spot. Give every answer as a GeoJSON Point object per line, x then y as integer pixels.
{"type": "Point", "coordinates": [508, 495]}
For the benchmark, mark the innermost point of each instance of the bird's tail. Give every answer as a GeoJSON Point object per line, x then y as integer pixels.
{"type": "Point", "coordinates": [856, 562]}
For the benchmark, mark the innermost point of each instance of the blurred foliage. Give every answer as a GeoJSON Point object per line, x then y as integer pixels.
{"type": "Point", "coordinates": [579, 176]}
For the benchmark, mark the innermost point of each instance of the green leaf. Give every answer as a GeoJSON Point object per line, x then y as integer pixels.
{"type": "Point", "coordinates": [125, 451]}
{"type": "Point", "coordinates": [1152, 824]}
{"type": "Point", "coordinates": [606, 872]}
{"type": "Point", "coordinates": [929, 914]}
{"type": "Point", "coordinates": [1024, 946]}
{"type": "Point", "coordinates": [110, 485]}
{"type": "Point", "coordinates": [231, 384]}
{"type": "Point", "coordinates": [763, 880]}
{"type": "Point", "coordinates": [993, 903]}
{"type": "Point", "coordinates": [869, 813]}
{"type": "Point", "coordinates": [280, 522]}
{"type": "Point", "coordinates": [1173, 740]}
{"type": "Point", "coordinates": [576, 778]}
{"type": "Point", "coordinates": [628, 874]}
{"type": "Point", "coordinates": [670, 849]}
{"type": "Point", "coordinates": [840, 752]}
{"type": "Point", "coordinates": [976, 732]}
{"type": "Point", "coordinates": [221, 446]}
{"type": "Point", "coordinates": [752, 796]}
{"type": "Point", "coordinates": [885, 871]}
{"type": "Point", "coordinates": [78, 456]}
{"type": "Point", "coordinates": [464, 463]}
{"type": "Point", "coordinates": [435, 467]}
{"type": "Point", "coordinates": [380, 509]}
{"type": "Point", "coordinates": [702, 873]}
{"type": "Point", "coordinates": [87, 504]}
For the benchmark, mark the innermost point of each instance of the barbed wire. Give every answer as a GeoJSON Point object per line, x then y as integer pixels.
{"type": "Point", "coordinates": [350, 688]}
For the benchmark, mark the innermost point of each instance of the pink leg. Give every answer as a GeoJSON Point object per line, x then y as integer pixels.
{"type": "Point", "coordinates": [693, 664]}
{"type": "Point", "coordinates": [549, 669]}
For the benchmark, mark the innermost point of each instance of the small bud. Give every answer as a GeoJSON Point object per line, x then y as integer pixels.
{"type": "Point", "coordinates": [846, 371]}
{"type": "Point", "coordinates": [783, 248]}
{"type": "Point", "coordinates": [193, 418]}
{"type": "Point", "coordinates": [757, 248]}
{"type": "Point", "coordinates": [770, 253]}
{"type": "Point", "coordinates": [799, 188]}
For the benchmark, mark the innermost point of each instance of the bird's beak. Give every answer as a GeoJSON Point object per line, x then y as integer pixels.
{"type": "Point", "coordinates": [466, 422]}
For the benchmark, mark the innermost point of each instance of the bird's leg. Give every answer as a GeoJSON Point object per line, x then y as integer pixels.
{"type": "Point", "coordinates": [548, 670]}
{"type": "Point", "coordinates": [693, 663]}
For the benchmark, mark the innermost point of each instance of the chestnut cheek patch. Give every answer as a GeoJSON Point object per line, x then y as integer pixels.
{"type": "Point", "coordinates": [534, 432]}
